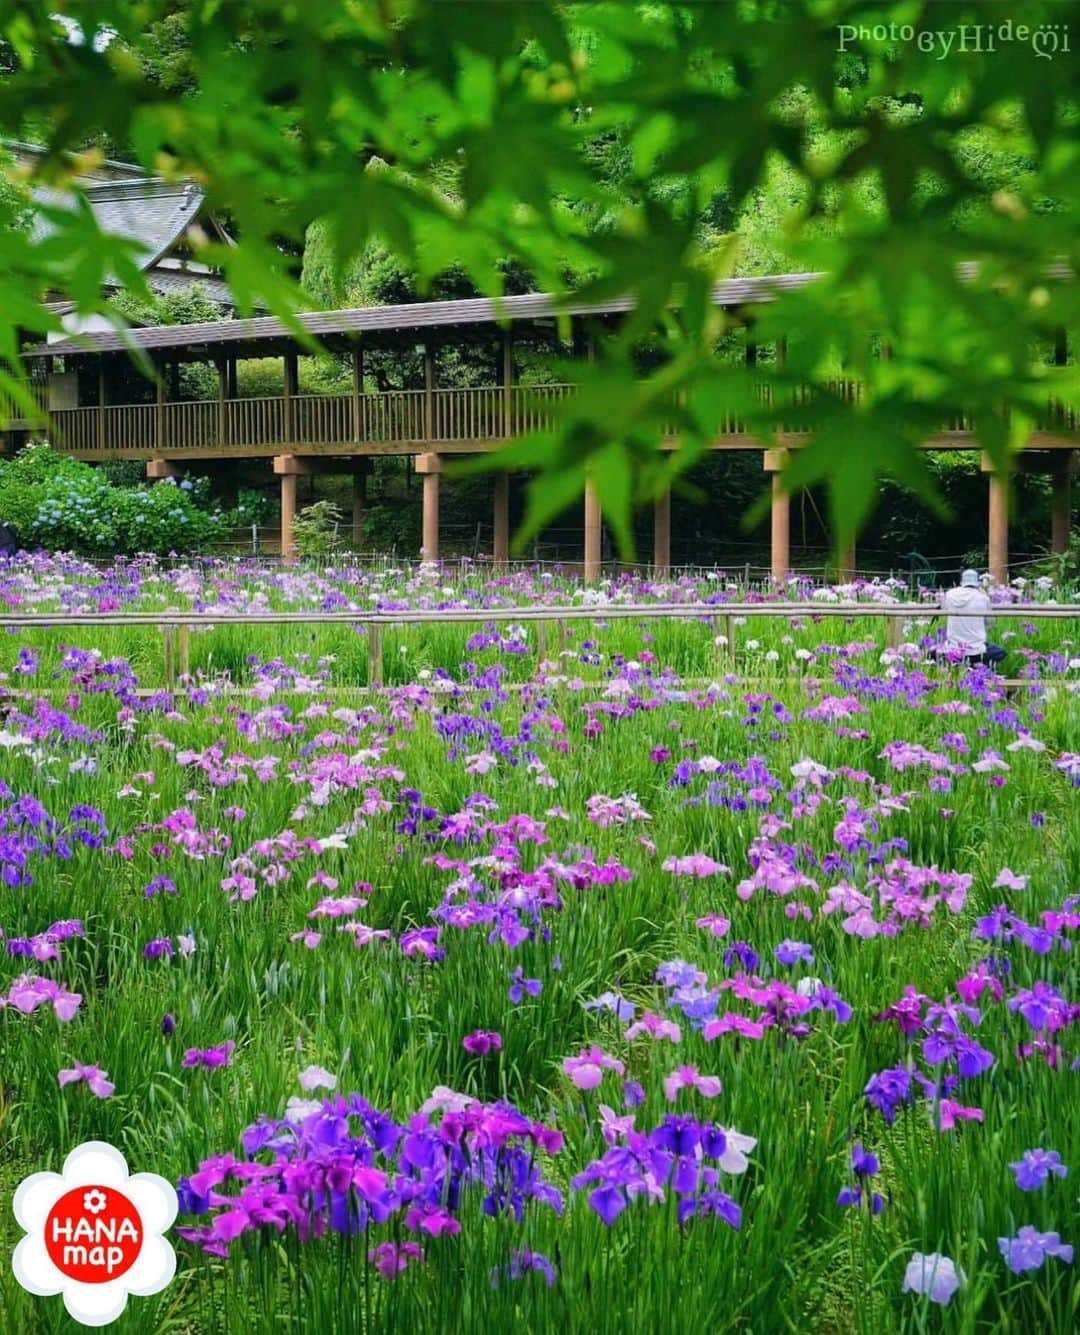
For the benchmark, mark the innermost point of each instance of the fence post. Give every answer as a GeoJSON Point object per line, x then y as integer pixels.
{"type": "Point", "coordinates": [169, 633]}
{"type": "Point", "coordinates": [541, 641]}
{"type": "Point", "coordinates": [892, 632]}
{"type": "Point", "coordinates": [375, 657]}
{"type": "Point", "coordinates": [184, 646]}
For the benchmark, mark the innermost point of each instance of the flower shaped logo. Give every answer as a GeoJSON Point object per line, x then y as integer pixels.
{"type": "Point", "coordinates": [94, 1233]}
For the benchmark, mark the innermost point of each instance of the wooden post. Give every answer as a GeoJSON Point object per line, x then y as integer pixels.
{"type": "Point", "coordinates": [507, 384]}
{"type": "Point", "coordinates": [541, 641]}
{"type": "Point", "coordinates": [288, 512]}
{"type": "Point", "coordinates": [288, 407]}
{"type": "Point", "coordinates": [375, 657]}
{"type": "Point", "coordinates": [159, 408]}
{"type": "Point", "coordinates": [775, 461]}
{"type": "Point", "coordinates": [359, 505]}
{"type": "Point", "coordinates": [662, 532]}
{"type": "Point", "coordinates": [221, 395]}
{"type": "Point", "coordinates": [845, 571]}
{"type": "Point", "coordinates": [998, 523]}
{"type": "Point", "coordinates": [183, 640]}
{"type": "Point", "coordinates": [593, 529]}
{"type": "Point", "coordinates": [357, 397]}
{"type": "Point", "coordinates": [430, 467]}
{"type": "Point", "coordinates": [1061, 503]}
{"type": "Point", "coordinates": [169, 633]}
{"type": "Point", "coordinates": [892, 632]}
{"type": "Point", "coordinates": [429, 404]}
{"type": "Point", "coordinates": [230, 376]}
{"type": "Point", "coordinates": [501, 551]}
{"type": "Point", "coordinates": [101, 404]}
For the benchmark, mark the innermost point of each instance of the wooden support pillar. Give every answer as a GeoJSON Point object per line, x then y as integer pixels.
{"type": "Point", "coordinates": [359, 506]}
{"type": "Point", "coordinates": [101, 403]}
{"type": "Point", "coordinates": [593, 530]}
{"type": "Point", "coordinates": [775, 461]}
{"type": "Point", "coordinates": [507, 384]}
{"type": "Point", "coordinates": [998, 523]}
{"type": "Point", "coordinates": [358, 394]}
{"type": "Point", "coordinates": [1061, 503]}
{"type": "Point", "coordinates": [430, 468]}
{"type": "Point", "coordinates": [429, 406]}
{"type": "Point", "coordinates": [662, 532]}
{"type": "Point", "coordinates": [157, 470]}
{"type": "Point", "coordinates": [159, 407]}
{"type": "Point", "coordinates": [230, 377]}
{"type": "Point", "coordinates": [222, 394]}
{"type": "Point", "coordinates": [288, 407]}
{"type": "Point", "coordinates": [501, 519]}
{"type": "Point", "coordinates": [845, 565]}
{"type": "Point", "coordinates": [288, 513]}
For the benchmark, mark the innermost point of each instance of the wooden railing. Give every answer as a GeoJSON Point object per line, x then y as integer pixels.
{"type": "Point", "coordinates": [405, 417]}
{"type": "Point", "coordinates": [723, 619]}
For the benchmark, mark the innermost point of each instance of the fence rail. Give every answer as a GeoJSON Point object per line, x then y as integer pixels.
{"type": "Point", "coordinates": [724, 617]}
{"type": "Point", "coordinates": [405, 416]}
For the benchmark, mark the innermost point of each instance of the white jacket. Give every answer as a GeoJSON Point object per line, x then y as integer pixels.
{"type": "Point", "coordinates": [967, 610]}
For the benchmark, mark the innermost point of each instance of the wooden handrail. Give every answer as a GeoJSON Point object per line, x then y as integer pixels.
{"type": "Point", "coordinates": [176, 627]}
{"type": "Point", "coordinates": [509, 615]}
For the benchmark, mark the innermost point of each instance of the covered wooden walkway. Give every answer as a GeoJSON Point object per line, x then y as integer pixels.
{"type": "Point", "coordinates": [83, 377]}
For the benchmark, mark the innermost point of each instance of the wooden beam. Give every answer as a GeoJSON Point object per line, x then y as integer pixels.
{"type": "Point", "coordinates": [288, 512]}
{"type": "Point", "coordinates": [159, 407]}
{"type": "Point", "coordinates": [357, 392]}
{"type": "Point", "coordinates": [288, 407]}
{"type": "Point", "coordinates": [222, 389]}
{"type": "Point", "coordinates": [101, 404]}
{"type": "Point", "coordinates": [998, 543]}
{"type": "Point", "coordinates": [429, 395]}
{"type": "Point", "coordinates": [593, 531]}
{"type": "Point", "coordinates": [775, 461]}
{"type": "Point", "coordinates": [429, 550]}
{"type": "Point", "coordinates": [508, 383]}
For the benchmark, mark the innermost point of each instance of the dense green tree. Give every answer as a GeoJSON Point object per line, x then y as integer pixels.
{"type": "Point", "coordinates": [646, 148]}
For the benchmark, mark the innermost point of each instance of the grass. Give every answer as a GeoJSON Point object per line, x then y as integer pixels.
{"type": "Point", "coordinates": [390, 1027]}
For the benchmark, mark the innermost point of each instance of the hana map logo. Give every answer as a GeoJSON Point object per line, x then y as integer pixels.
{"type": "Point", "coordinates": [94, 1234]}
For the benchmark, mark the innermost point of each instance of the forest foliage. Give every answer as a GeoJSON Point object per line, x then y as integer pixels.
{"type": "Point", "coordinates": [650, 149]}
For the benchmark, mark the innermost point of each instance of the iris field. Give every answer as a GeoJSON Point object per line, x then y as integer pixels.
{"type": "Point", "coordinates": [638, 989]}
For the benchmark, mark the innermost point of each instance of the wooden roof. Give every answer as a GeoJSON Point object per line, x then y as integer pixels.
{"type": "Point", "coordinates": [415, 316]}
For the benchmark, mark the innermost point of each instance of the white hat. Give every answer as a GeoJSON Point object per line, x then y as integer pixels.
{"type": "Point", "coordinates": [969, 579]}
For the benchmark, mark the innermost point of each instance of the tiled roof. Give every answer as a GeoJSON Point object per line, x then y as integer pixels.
{"type": "Point", "coordinates": [152, 212]}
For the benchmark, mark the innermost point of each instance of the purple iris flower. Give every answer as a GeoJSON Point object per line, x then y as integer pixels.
{"type": "Point", "coordinates": [159, 885]}
{"type": "Point", "coordinates": [746, 955]}
{"type": "Point", "coordinates": [793, 952]}
{"type": "Point", "coordinates": [521, 987]}
{"type": "Point", "coordinates": [1030, 1248]}
{"type": "Point", "coordinates": [1035, 1167]}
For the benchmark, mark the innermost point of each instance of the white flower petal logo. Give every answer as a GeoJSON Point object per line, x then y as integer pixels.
{"type": "Point", "coordinates": [94, 1201]}
{"type": "Point", "coordinates": [94, 1233]}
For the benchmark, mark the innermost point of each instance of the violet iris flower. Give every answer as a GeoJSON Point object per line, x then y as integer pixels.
{"type": "Point", "coordinates": [210, 1058]}
{"type": "Point", "coordinates": [96, 1079]}
{"type": "Point", "coordinates": [1030, 1248]}
{"type": "Point", "coordinates": [1035, 1168]}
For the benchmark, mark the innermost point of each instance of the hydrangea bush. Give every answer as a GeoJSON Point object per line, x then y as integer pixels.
{"type": "Point", "coordinates": [63, 505]}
